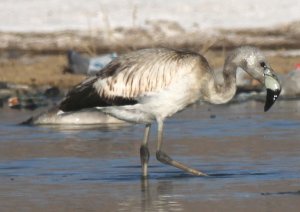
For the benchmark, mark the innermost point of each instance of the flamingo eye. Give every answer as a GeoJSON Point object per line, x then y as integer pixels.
{"type": "Point", "coordinates": [263, 64]}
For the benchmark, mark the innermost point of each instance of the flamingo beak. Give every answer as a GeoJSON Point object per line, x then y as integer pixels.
{"type": "Point", "coordinates": [273, 88]}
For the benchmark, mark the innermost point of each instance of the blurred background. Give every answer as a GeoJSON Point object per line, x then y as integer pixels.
{"type": "Point", "coordinates": [36, 36]}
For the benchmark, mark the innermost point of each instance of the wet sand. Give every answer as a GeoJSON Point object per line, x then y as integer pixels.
{"type": "Point", "coordinates": [252, 158]}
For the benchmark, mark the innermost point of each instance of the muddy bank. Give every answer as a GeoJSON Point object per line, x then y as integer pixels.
{"type": "Point", "coordinates": [48, 70]}
{"type": "Point", "coordinates": [153, 34]}
{"type": "Point", "coordinates": [40, 58]}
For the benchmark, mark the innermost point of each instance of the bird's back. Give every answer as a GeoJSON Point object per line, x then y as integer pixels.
{"type": "Point", "coordinates": [133, 75]}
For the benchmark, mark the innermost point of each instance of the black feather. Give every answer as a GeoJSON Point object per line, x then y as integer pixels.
{"type": "Point", "coordinates": [84, 95]}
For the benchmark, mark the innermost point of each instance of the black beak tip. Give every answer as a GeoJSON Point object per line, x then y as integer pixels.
{"type": "Point", "coordinates": [271, 98]}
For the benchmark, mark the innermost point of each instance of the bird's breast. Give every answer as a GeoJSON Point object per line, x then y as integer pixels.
{"type": "Point", "coordinates": [174, 98]}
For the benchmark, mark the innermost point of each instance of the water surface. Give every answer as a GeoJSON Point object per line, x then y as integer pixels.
{"type": "Point", "coordinates": [252, 158]}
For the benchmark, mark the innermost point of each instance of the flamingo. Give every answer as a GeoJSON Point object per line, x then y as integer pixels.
{"type": "Point", "coordinates": [89, 116]}
{"type": "Point", "coordinates": [150, 85]}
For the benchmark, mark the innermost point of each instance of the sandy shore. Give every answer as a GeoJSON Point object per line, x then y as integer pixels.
{"type": "Point", "coordinates": [41, 70]}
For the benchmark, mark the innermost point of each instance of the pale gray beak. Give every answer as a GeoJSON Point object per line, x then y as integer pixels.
{"type": "Point", "coordinates": [273, 88]}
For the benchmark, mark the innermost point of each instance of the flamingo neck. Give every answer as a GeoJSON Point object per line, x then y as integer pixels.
{"type": "Point", "coordinates": [228, 89]}
{"type": "Point", "coordinates": [223, 92]}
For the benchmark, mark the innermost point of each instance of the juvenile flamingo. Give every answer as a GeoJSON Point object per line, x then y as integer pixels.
{"type": "Point", "coordinates": [152, 84]}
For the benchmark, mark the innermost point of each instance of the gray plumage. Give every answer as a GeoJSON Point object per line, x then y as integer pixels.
{"type": "Point", "coordinates": [151, 84]}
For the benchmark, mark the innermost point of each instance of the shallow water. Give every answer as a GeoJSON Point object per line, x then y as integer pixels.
{"type": "Point", "coordinates": [252, 158]}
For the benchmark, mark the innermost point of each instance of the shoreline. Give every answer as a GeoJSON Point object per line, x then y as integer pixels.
{"type": "Point", "coordinates": [39, 58]}
{"type": "Point", "coordinates": [156, 33]}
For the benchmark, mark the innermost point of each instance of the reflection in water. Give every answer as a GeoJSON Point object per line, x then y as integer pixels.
{"type": "Point", "coordinates": [145, 195]}
{"type": "Point", "coordinates": [282, 193]}
{"type": "Point", "coordinates": [157, 197]}
{"type": "Point", "coordinates": [74, 128]}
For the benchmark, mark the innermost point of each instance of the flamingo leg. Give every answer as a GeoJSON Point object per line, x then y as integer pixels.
{"type": "Point", "coordinates": [144, 151]}
{"type": "Point", "coordinates": [164, 158]}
